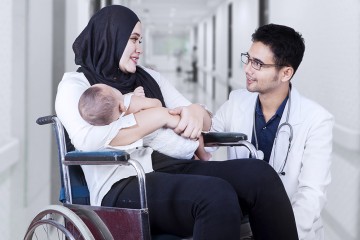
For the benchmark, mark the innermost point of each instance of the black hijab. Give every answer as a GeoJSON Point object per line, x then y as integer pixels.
{"type": "Point", "coordinates": [100, 45]}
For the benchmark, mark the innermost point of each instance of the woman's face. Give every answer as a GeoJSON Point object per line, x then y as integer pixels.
{"type": "Point", "coordinates": [132, 51]}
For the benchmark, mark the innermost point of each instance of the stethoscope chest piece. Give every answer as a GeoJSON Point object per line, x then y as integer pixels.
{"type": "Point", "coordinates": [260, 154]}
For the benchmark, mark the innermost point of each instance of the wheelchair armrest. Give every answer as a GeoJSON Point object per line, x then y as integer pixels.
{"type": "Point", "coordinates": [220, 138]}
{"type": "Point", "coordinates": [109, 157]}
{"type": "Point", "coordinates": [103, 157]}
{"type": "Point", "coordinates": [229, 139]}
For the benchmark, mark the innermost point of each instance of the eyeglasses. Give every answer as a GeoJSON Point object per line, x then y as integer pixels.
{"type": "Point", "coordinates": [255, 63]}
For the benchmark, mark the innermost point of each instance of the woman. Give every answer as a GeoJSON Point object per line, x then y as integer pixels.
{"type": "Point", "coordinates": [202, 199]}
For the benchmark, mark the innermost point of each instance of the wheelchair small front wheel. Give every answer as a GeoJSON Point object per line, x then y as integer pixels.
{"type": "Point", "coordinates": [58, 222]}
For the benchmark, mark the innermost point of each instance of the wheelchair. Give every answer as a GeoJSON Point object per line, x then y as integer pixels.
{"type": "Point", "coordinates": [76, 219]}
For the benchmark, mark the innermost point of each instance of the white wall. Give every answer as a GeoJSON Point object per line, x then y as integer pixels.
{"type": "Point", "coordinates": [77, 15]}
{"type": "Point", "coordinates": [330, 69]}
{"type": "Point", "coordinates": [206, 72]}
{"type": "Point", "coordinates": [26, 67]}
{"type": "Point", "coordinates": [246, 20]}
{"type": "Point", "coordinates": [221, 50]}
{"type": "Point", "coordinates": [208, 68]}
{"type": "Point", "coordinates": [201, 48]}
{"type": "Point", "coordinates": [8, 144]}
{"type": "Point", "coordinates": [38, 102]}
{"type": "Point", "coordinates": [330, 75]}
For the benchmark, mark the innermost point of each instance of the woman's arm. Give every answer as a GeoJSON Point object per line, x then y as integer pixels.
{"type": "Point", "coordinates": [141, 103]}
{"type": "Point", "coordinates": [148, 121]}
{"type": "Point", "coordinates": [194, 118]}
{"type": "Point", "coordinates": [87, 137]}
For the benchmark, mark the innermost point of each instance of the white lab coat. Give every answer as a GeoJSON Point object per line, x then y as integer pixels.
{"type": "Point", "coordinates": [308, 165]}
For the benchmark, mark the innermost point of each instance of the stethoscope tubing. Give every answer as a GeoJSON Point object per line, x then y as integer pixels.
{"type": "Point", "coordinates": [282, 125]}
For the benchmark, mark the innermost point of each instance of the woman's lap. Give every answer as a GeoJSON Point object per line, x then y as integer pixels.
{"type": "Point", "coordinates": [177, 190]}
{"type": "Point", "coordinates": [259, 189]}
{"type": "Point", "coordinates": [247, 176]}
{"type": "Point", "coordinates": [175, 201]}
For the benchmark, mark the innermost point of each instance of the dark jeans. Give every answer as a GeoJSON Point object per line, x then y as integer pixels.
{"type": "Point", "coordinates": [207, 200]}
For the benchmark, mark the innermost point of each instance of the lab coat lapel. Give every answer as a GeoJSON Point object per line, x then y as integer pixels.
{"type": "Point", "coordinates": [245, 117]}
{"type": "Point", "coordinates": [249, 111]}
{"type": "Point", "coordinates": [282, 141]}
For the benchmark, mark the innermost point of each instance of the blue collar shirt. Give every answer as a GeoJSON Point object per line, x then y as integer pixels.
{"type": "Point", "coordinates": [266, 131]}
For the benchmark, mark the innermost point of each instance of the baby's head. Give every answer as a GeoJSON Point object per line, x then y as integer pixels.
{"type": "Point", "coordinates": [101, 104]}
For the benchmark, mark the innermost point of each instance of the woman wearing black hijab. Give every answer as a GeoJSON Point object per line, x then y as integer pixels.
{"type": "Point", "coordinates": [202, 199]}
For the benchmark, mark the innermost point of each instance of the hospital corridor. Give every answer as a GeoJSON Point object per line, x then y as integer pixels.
{"type": "Point", "coordinates": [203, 48]}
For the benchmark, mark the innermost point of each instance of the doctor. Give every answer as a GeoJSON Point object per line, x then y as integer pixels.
{"type": "Point", "coordinates": [292, 133]}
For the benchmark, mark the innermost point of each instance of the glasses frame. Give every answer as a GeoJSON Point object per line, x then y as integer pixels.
{"type": "Point", "coordinates": [257, 62]}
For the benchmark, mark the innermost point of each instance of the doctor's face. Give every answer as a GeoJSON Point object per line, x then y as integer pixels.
{"type": "Point", "coordinates": [132, 51]}
{"type": "Point", "coordinates": [267, 78]}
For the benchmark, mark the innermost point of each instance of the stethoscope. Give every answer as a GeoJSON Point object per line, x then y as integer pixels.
{"type": "Point", "coordinates": [283, 125]}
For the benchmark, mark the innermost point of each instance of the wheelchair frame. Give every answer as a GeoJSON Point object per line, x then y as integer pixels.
{"type": "Point", "coordinates": [92, 222]}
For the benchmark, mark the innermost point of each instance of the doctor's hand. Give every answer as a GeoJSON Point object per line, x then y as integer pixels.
{"type": "Point", "coordinates": [191, 120]}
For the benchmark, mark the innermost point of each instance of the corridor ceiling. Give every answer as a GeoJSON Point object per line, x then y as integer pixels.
{"type": "Point", "coordinates": [172, 16]}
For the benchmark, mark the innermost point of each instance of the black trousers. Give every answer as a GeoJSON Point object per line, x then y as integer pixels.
{"type": "Point", "coordinates": [207, 199]}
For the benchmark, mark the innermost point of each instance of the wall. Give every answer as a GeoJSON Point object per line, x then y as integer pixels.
{"type": "Point", "coordinates": [332, 40]}
{"type": "Point", "coordinates": [26, 67]}
{"type": "Point", "coordinates": [330, 75]}
{"type": "Point", "coordinates": [221, 50]}
{"type": "Point", "coordinates": [245, 22]}
{"type": "Point", "coordinates": [8, 143]}
{"type": "Point", "coordinates": [218, 89]}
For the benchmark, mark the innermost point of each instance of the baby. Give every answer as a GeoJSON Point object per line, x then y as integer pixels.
{"type": "Point", "coordinates": [101, 104]}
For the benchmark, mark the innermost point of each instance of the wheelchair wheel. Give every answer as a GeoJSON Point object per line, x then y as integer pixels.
{"type": "Point", "coordinates": [58, 222]}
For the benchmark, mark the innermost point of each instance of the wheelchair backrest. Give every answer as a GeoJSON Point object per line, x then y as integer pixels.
{"type": "Point", "coordinates": [79, 190]}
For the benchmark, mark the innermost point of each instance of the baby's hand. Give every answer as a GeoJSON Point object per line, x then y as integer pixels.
{"type": "Point", "coordinates": [139, 91]}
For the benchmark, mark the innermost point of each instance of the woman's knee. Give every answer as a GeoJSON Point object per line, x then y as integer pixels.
{"type": "Point", "coordinates": [218, 214]}
{"type": "Point", "coordinates": [266, 182]}
{"type": "Point", "coordinates": [263, 173]}
{"type": "Point", "coordinates": [220, 193]}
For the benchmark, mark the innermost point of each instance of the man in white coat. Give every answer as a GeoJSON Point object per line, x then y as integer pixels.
{"type": "Point", "coordinates": [292, 133]}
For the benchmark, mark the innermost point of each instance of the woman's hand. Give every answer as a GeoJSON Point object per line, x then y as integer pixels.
{"type": "Point", "coordinates": [192, 120]}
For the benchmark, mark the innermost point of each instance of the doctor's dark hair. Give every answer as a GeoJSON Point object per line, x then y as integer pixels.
{"type": "Point", "coordinates": [286, 44]}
